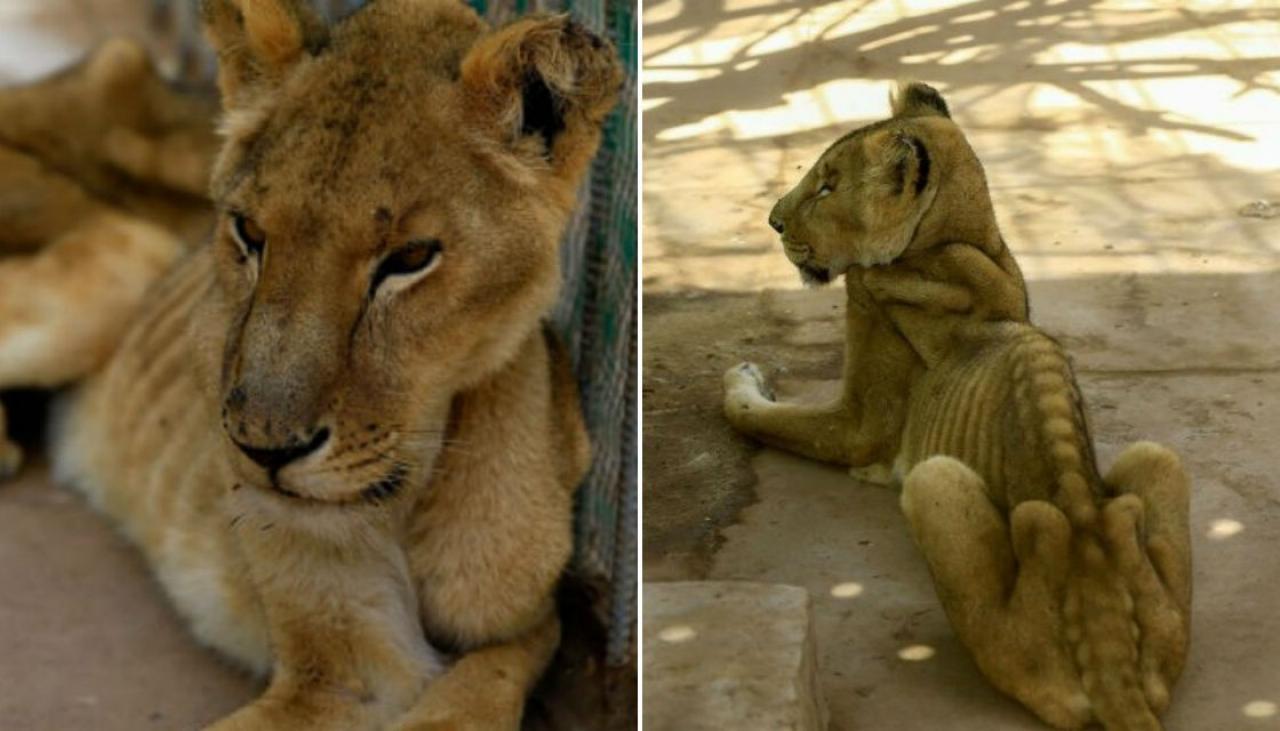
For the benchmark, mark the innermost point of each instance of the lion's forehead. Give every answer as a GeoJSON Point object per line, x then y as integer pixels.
{"type": "Point", "coordinates": [378, 107]}
{"type": "Point", "coordinates": [372, 132]}
{"type": "Point", "coordinates": [368, 145]}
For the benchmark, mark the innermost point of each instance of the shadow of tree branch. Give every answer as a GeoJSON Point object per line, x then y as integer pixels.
{"type": "Point", "coordinates": [1006, 46]}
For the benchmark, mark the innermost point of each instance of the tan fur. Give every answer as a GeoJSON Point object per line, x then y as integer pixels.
{"type": "Point", "coordinates": [1071, 591]}
{"type": "Point", "coordinates": [401, 572]}
{"type": "Point", "coordinates": [96, 194]}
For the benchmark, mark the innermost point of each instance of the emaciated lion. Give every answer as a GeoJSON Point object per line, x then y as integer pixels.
{"type": "Point", "coordinates": [336, 429]}
{"type": "Point", "coordinates": [1072, 591]}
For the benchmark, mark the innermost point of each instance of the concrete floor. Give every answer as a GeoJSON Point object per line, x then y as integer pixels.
{"type": "Point", "coordinates": [87, 641]}
{"type": "Point", "coordinates": [1122, 141]}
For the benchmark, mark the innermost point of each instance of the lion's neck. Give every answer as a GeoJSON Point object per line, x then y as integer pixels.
{"type": "Point", "coordinates": [959, 213]}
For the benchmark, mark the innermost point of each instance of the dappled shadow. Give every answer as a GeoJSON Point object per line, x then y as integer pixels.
{"type": "Point", "coordinates": [981, 46]}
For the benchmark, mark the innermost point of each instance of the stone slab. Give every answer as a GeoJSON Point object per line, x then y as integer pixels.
{"type": "Point", "coordinates": [730, 655]}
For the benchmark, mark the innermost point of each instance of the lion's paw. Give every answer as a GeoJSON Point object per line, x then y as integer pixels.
{"type": "Point", "coordinates": [489, 719]}
{"type": "Point", "coordinates": [746, 380]}
{"type": "Point", "coordinates": [10, 459]}
{"type": "Point", "coordinates": [875, 474]}
{"type": "Point", "coordinates": [454, 724]}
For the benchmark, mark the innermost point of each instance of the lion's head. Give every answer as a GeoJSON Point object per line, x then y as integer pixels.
{"type": "Point", "coordinates": [902, 184]}
{"type": "Point", "coordinates": [391, 195]}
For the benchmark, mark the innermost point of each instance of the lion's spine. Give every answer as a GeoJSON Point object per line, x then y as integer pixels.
{"type": "Point", "coordinates": [1098, 613]}
{"type": "Point", "coordinates": [1044, 385]}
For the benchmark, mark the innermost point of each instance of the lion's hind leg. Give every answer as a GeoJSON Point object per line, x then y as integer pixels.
{"type": "Point", "coordinates": [1155, 475]}
{"type": "Point", "coordinates": [38, 205]}
{"type": "Point", "coordinates": [64, 308]}
{"type": "Point", "coordinates": [963, 537]}
{"type": "Point", "coordinates": [1157, 564]}
{"type": "Point", "coordinates": [827, 433]}
{"type": "Point", "coordinates": [999, 583]}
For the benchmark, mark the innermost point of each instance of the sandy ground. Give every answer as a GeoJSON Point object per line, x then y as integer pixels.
{"type": "Point", "coordinates": [1121, 139]}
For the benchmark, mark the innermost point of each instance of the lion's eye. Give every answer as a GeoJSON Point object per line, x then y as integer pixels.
{"type": "Point", "coordinates": [251, 238]}
{"type": "Point", "coordinates": [825, 190]}
{"type": "Point", "coordinates": [417, 257]}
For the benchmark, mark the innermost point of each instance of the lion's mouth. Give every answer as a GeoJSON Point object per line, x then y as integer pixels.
{"type": "Point", "coordinates": [801, 256]}
{"type": "Point", "coordinates": [374, 493]}
{"type": "Point", "coordinates": [387, 487]}
{"type": "Point", "coordinates": [274, 485]}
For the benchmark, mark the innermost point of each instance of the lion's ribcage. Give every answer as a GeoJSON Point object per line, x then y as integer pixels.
{"type": "Point", "coordinates": [138, 441]}
{"type": "Point", "coordinates": [986, 407]}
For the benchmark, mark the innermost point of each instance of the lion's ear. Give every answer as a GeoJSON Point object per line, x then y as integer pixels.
{"type": "Point", "coordinates": [542, 86]}
{"type": "Point", "coordinates": [914, 99]}
{"type": "Point", "coordinates": [258, 41]}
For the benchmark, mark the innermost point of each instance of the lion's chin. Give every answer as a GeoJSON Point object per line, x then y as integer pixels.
{"type": "Point", "coordinates": [813, 276]}
{"type": "Point", "coordinates": [324, 490]}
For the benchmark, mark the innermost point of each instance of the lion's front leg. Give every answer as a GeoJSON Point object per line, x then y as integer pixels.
{"type": "Point", "coordinates": [863, 427]}
{"type": "Point", "coordinates": [828, 433]}
{"type": "Point", "coordinates": [338, 671]}
{"type": "Point", "coordinates": [1000, 584]}
{"type": "Point", "coordinates": [341, 611]}
{"type": "Point", "coordinates": [488, 546]}
{"type": "Point", "coordinates": [485, 689]}
{"type": "Point", "coordinates": [282, 710]}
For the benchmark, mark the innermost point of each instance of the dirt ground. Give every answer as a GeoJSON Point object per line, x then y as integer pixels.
{"type": "Point", "coordinates": [1122, 142]}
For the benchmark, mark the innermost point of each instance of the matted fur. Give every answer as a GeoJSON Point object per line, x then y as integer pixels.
{"type": "Point", "coordinates": [399, 571]}
{"type": "Point", "coordinates": [1072, 591]}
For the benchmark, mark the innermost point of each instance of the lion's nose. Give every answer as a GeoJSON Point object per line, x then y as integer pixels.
{"type": "Point", "coordinates": [273, 459]}
{"type": "Point", "coordinates": [776, 223]}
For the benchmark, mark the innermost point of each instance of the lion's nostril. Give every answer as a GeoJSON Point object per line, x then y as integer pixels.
{"type": "Point", "coordinates": [273, 459]}
{"type": "Point", "coordinates": [776, 224]}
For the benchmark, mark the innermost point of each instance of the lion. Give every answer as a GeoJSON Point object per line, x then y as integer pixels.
{"type": "Point", "coordinates": [103, 171]}
{"type": "Point", "coordinates": [876, 195]}
{"type": "Point", "coordinates": [337, 429]}
{"type": "Point", "coordinates": [1071, 590]}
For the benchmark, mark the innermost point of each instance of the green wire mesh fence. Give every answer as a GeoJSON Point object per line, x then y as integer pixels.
{"type": "Point", "coordinates": [596, 315]}
{"type": "Point", "coordinates": [598, 319]}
